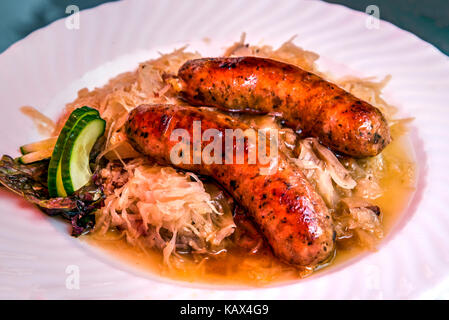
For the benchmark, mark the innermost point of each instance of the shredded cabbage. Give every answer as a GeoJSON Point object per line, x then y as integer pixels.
{"type": "Point", "coordinates": [159, 207]}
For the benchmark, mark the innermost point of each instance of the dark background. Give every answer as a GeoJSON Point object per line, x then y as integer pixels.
{"type": "Point", "coordinates": [428, 19]}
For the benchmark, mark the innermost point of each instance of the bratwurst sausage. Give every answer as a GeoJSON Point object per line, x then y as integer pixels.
{"type": "Point", "coordinates": [306, 102]}
{"type": "Point", "coordinates": [290, 214]}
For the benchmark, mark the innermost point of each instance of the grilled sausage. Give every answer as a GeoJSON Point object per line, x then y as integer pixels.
{"type": "Point", "coordinates": [306, 102]}
{"type": "Point", "coordinates": [289, 212]}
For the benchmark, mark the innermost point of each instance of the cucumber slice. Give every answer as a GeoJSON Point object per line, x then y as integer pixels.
{"type": "Point", "coordinates": [54, 180]}
{"type": "Point", "coordinates": [47, 144]}
{"type": "Point", "coordinates": [75, 169]}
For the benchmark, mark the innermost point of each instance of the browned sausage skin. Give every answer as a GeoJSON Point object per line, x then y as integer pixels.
{"type": "Point", "coordinates": [305, 101]}
{"type": "Point", "coordinates": [288, 211]}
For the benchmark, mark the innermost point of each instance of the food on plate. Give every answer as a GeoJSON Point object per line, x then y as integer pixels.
{"type": "Point", "coordinates": [30, 182]}
{"type": "Point", "coordinates": [69, 164]}
{"type": "Point", "coordinates": [284, 205]}
{"type": "Point", "coordinates": [303, 100]}
{"type": "Point", "coordinates": [123, 164]}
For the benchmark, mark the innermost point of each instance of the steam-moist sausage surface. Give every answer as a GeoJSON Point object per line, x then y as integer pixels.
{"type": "Point", "coordinates": [306, 102]}
{"type": "Point", "coordinates": [288, 211]}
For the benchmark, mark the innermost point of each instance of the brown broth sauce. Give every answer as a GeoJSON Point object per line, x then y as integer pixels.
{"type": "Point", "coordinates": [239, 266]}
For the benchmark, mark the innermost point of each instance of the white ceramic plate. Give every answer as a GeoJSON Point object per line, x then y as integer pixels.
{"type": "Point", "coordinates": [37, 255]}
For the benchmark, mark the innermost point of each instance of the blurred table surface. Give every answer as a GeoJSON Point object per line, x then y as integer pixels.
{"type": "Point", "coordinates": [428, 19]}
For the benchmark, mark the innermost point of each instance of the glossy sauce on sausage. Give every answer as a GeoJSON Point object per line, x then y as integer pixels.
{"type": "Point", "coordinates": [286, 208]}
{"type": "Point", "coordinates": [306, 102]}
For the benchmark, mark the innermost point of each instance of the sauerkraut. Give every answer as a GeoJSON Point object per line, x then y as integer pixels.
{"type": "Point", "coordinates": [157, 207]}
